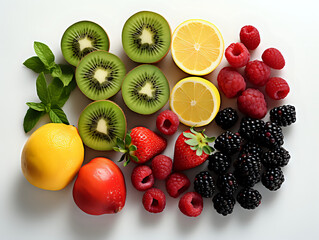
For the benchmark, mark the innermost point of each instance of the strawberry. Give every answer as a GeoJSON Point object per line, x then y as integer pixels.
{"type": "Point", "coordinates": [191, 149]}
{"type": "Point", "coordinates": [140, 145]}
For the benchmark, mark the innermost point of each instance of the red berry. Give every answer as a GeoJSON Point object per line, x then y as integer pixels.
{"type": "Point", "coordinates": [250, 37]}
{"type": "Point", "coordinates": [176, 184]}
{"type": "Point", "coordinates": [161, 166]}
{"type": "Point", "coordinates": [252, 103]}
{"type": "Point", "coordinates": [230, 82]}
{"type": "Point", "coordinates": [257, 72]}
{"type": "Point", "coordinates": [191, 204]}
{"type": "Point", "coordinates": [277, 88]}
{"type": "Point", "coordinates": [273, 58]}
{"type": "Point", "coordinates": [237, 55]}
{"type": "Point", "coordinates": [154, 200]}
{"type": "Point", "coordinates": [167, 122]}
{"type": "Point", "coordinates": [142, 177]}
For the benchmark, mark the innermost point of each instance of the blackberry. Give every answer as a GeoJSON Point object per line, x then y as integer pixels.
{"type": "Point", "coordinates": [204, 184]}
{"type": "Point", "coordinates": [224, 204]}
{"type": "Point", "coordinates": [248, 171]}
{"type": "Point", "coordinates": [228, 143]}
{"type": "Point", "coordinates": [283, 115]}
{"type": "Point", "coordinates": [249, 198]}
{"type": "Point", "coordinates": [273, 178]}
{"type": "Point", "coordinates": [219, 162]}
{"type": "Point", "coordinates": [251, 148]}
{"type": "Point", "coordinates": [249, 128]}
{"type": "Point", "coordinates": [227, 183]}
{"type": "Point", "coordinates": [226, 118]}
{"type": "Point", "coordinates": [278, 157]}
{"type": "Point", "coordinates": [271, 135]}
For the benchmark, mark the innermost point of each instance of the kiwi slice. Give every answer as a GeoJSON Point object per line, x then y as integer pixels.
{"type": "Point", "coordinates": [146, 37]}
{"type": "Point", "coordinates": [99, 75]}
{"type": "Point", "coordinates": [100, 124]}
{"type": "Point", "coordinates": [82, 38]}
{"type": "Point", "coordinates": [145, 89]}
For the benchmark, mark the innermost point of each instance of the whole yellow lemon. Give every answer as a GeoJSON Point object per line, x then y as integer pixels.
{"type": "Point", "coordinates": [52, 156]}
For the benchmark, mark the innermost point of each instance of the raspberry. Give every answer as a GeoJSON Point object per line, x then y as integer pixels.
{"type": "Point", "coordinates": [230, 82]}
{"type": "Point", "coordinates": [167, 122]}
{"type": "Point", "coordinates": [237, 55]}
{"type": "Point", "coordinates": [191, 204]}
{"type": "Point", "coordinates": [252, 103]}
{"type": "Point", "coordinates": [176, 184]}
{"type": "Point", "coordinates": [257, 72]}
{"type": "Point", "coordinates": [161, 166]}
{"type": "Point", "coordinates": [142, 177]}
{"type": "Point", "coordinates": [154, 200]}
{"type": "Point", "coordinates": [277, 88]}
{"type": "Point", "coordinates": [273, 58]}
{"type": "Point", "coordinates": [250, 37]}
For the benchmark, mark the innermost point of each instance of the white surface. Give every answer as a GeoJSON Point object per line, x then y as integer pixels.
{"type": "Point", "coordinates": [30, 213]}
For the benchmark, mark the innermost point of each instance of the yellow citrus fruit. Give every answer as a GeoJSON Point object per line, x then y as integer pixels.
{"type": "Point", "coordinates": [52, 156]}
{"type": "Point", "coordinates": [195, 100]}
{"type": "Point", "coordinates": [197, 47]}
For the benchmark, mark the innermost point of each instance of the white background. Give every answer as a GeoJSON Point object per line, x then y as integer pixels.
{"type": "Point", "coordinates": [30, 213]}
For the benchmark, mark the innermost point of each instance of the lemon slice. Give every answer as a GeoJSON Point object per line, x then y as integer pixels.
{"type": "Point", "coordinates": [195, 100]}
{"type": "Point", "coordinates": [197, 47]}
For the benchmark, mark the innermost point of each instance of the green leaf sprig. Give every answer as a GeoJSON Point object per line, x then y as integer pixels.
{"type": "Point", "coordinates": [198, 141]}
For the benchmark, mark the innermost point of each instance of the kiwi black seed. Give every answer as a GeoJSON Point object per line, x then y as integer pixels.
{"type": "Point", "coordinates": [82, 38]}
{"type": "Point", "coordinates": [146, 37]}
{"type": "Point", "coordinates": [145, 89]}
{"type": "Point", "coordinates": [99, 75]}
{"type": "Point", "coordinates": [100, 124]}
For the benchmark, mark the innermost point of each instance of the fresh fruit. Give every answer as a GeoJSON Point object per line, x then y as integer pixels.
{"type": "Point", "coordinates": [237, 55]}
{"type": "Point", "coordinates": [226, 118]}
{"type": "Point", "coordinates": [271, 135]}
{"type": "Point", "coordinates": [249, 36]}
{"type": "Point", "coordinates": [250, 148]}
{"type": "Point", "coordinates": [223, 204]}
{"type": "Point", "coordinates": [197, 47]}
{"type": "Point", "coordinates": [52, 156]}
{"type": "Point", "coordinates": [167, 122]}
{"type": "Point", "coordinates": [161, 166]}
{"type": "Point", "coordinates": [219, 162]}
{"type": "Point", "coordinates": [273, 178]}
{"type": "Point", "coordinates": [284, 115]}
{"type": "Point", "coordinates": [227, 183]}
{"type": "Point", "coordinates": [154, 200]}
{"type": "Point", "coordinates": [273, 58]}
{"type": "Point", "coordinates": [277, 88]}
{"type": "Point", "coordinates": [99, 75]}
{"type": "Point", "coordinates": [248, 171]}
{"type": "Point", "coordinates": [146, 37]}
{"type": "Point", "coordinates": [142, 177]}
{"type": "Point", "coordinates": [252, 103]}
{"type": "Point", "coordinates": [191, 204]}
{"type": "Point", "coordinates": [249, 128]}
{"type": "Point", "coordinates": [82, 38]}
{"type": "Point", "coordinates": [140, 145]}
{"type": "Point", "coordinates": [176, 184]}
{"type": "Point", "coordinates": [100, 187]}
{"type": "Point", "coordinates": [145, 89]}
{"type": "Point", "coordinates": [230, 82]}
{"type": "Point", "coordinates": [228, 142]}
{"type": "Point", "coordinates": [195, 100]}
{"type": "Point", "coordinates": [100, 124]}
{"type": "Point", "coordinates": [204, 184]}
{"type": "Point", "coordinates": [249, 198]}
{"type": "Point", "coordinates": [277, 157]}
{"type": "Point", "coordinates": [191, 149]}
{"type": "Point", "coordinates": [257, 72]}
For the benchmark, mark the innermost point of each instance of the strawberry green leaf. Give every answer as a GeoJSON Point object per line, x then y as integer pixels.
{"type": "Point", "coordinates": [134, 158]}
{"type": "Point", "coordinates": [132, 148]}
{"type": "Point", "coordinates": [199, 151]}
{"type": "Point", "coordinates": [120, 143]}
{"type": "Point", "coordinates": [192, 142]}
{"type": "Point", "coordinates": [122, 158]}
{"type": "Point", "coordinates": [193, 130]}
{"type": "Point", "coordinates": [188, 135]}
{"type": "Point", "coordinates": [207, 149]}
{"type": "Point", "coordinates": [194, 148]}
{"type": "Point", "coordinates": [128, 139]}
{"type": "Point", "coordinates": [210, 139]}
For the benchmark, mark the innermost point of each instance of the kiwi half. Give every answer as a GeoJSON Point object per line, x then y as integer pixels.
{"type": "Point", "coordinates": [146, 37]}
{"type": "Point", "coordinates": [145, 89]}
{"type": "Point", "coordinates": [100, 123]}
{"type": "Point", "coordinates": [82, 38]}
{"type": "Point", "coordinates": [99, 75]}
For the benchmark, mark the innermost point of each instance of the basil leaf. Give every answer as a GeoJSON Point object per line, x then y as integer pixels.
{"type": "Point", "coordinates": [42, 89]}
{"type": "Point", "coordinates": [57, 115]}
{"type": "Point", "coordinates": [66, 93]}
{"type": "Point", "coordinates": [40, 107]}
{"type": "Point", "coordinates": [35, 64]}
{"type": "Point", "coordinates": [44, 53]}
{"type": "Point", "coordinates": [55, 89]}
{"type": "Point", "coordinates": [56, 71]}
{"type": "Point", "coordinates": [67, 74]}
{"type": "Point", "coordinates": [31, 118]}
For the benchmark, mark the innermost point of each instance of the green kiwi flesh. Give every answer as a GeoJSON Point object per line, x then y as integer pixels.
{"type": "Point", "coordinates": [82, 38]}
{"type": "Point", "coordinates": [145, 89]}
{"type": "Point", "coordinates": [100, 124]}
{"type": "Point", "coordinates": [99, 75]}
{"type": "Point", "coordinates": [146, 37]}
